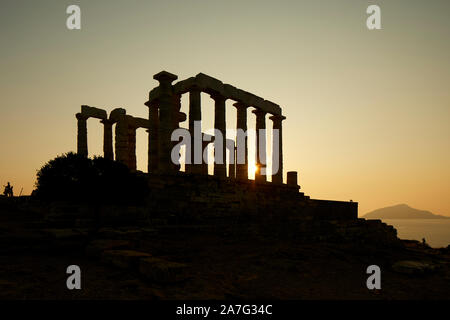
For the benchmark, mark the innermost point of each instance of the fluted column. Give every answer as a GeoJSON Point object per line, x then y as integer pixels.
{"type": "Point", "coordinates": [132, 147]}
{"type": "Point", "coordinates": [153, 143]}
{"type": "Point", "coordinates": [220, 169]}
{"type": "Point", "coordinates": [195, 114]}
{"type": "Point", "coordinates": [277, 177]}
{"type": "Point", "coordinates": [82, 146]}
{"type": "Point", "coordinates": [204, 165]}
{"type": "Point", "coordinates": [177, 117]}
{"type": "Point", "coordinates": [260, 144]}
{"type": "Point", "coordinates": [121, 143]}
{"type": "Point", "coordinates": [232, 165]}
{"type": "Point", "coordinates": [241, 144]}
{"type": "Point", "coordinates": [108, 152]}
{"type": "Point", "coordinates": [167, 109]}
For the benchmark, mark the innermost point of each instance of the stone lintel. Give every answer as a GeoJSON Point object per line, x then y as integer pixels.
{"type": "Point", "coordinates": [141, 123]}
{"type": "Point", "coordinates": [93, 112]}
{"type": "Point", "coordinates": [270, 107]}
{"type": "Point", "coordinates": [107, 121]}
{"type": "Point", "coordinates": [251, 99]}
{"type": "Point", "coordinates": [184, 86]}
{"type": "Point", "coordinates": [232, 92]}
{"type": "Point", "coordinates": [209, 84]}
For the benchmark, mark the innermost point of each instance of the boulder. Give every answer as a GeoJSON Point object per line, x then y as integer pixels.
{"type": "Point", "coordinates": [162, 271]}
{"type": "Point", "coordinates": [124, 259]}
{"type": "Point", "coordinates": [96, 247]}
{"type": "Point", "coordinates": [64, 234]}
{"type": "Point", "coordinates": [413, 267]}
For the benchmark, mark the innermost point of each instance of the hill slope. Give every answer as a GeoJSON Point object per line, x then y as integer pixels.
{"type": "Point", "coordinates": [401, 211]}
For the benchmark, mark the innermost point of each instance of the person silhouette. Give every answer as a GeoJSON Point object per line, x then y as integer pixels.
{"type": "Point", "coordinates": [8, 192]}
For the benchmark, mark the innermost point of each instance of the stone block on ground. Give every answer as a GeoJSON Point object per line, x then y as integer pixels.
{"type": "Point", "coordinates": [414, 267]}
{"type": "Point", "coordinates": [124, 259]}
{"type": "Point", "coordinates": [65, 233]}
{"type": "Point", "coordinates": [162, 271]}
{"type": "Point", "coordinates": [96, 247]}
{"type": "Point", "coordinates": [66, 238]}
{"type": "Point", "coordinates": [127, 234]}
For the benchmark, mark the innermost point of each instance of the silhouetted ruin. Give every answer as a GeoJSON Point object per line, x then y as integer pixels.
{"type": "Point", "coordinates": [184, 234]}
{"type": "Point", "coordinates": [194, 193]}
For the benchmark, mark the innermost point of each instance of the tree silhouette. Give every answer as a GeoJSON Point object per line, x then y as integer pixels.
{"type": "Point", "coordinates": [72, 177]}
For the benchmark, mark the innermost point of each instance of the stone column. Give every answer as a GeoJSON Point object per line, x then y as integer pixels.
{"type": "Point", "coordinates": [153, 143]}
{"type": "Point", "coordinates": [292, 179]}
{"type": "Point", "coordinates": [204, 165]}
{"type": "Point", "coordinates": [232, 166]}
{"type": "Point", "coordinates": [177, 117]}
{"type": "Point", "coordinates": [132, 147]}
{"type": "Point", "coordinates": [220, 169]}
{"type": "Point", "coordinates": [195, 114]}
{"type": "Point", "coordinates": [260, 144]}
{"type": "Point", "coordinates": [82, 145]}
{"type": "Point", "coordinates": [121, 134]}
{"type": "Point", "coordinates": [108, 152]}
{"type": "Point", "coordinates": [167, 110]}
{"type": "Point", "coordinates": [277, 178]}
{"type": "Point", "coordinates": [241, 168]}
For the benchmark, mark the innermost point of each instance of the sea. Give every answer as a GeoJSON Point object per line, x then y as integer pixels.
{"type": "Point", "coordinates": [435, 231]}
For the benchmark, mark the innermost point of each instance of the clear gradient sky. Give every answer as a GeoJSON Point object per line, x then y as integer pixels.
{"type": "Point", "coordinates": [368, 112]}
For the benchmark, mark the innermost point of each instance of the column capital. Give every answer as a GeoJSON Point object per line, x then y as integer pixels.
{"type": "Point", "coordinates": [259, 112]}
{"type": "Point", "coordinates": [151, 103]}
{"type": "Point", "coordinates": [194, 88]}
{"type": "Point", "coordinates": [165, 77]}
{"type": "Point", "coordinates": [81, 116]}
{"type": "Point", "coordinates": [181, 117]}
{"type": "Point", "coordinates": [107, 121]}
{"type": "Point", "coordinates": [277, 117]}
{"type": "Point", "coordinates": [217, 96]}
{"type": "Point", "coordinates": [240, 105]}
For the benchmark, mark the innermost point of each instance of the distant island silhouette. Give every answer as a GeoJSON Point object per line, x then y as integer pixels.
{"type": "Point", "coordinates": [401, 211]}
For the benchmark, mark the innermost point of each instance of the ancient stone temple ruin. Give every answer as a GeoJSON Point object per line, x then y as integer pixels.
{"type": "Point", "coordinates": [193, 193]}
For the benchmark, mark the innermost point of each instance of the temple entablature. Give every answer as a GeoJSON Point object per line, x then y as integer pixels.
{"type": "Point", "coordinates": [210, 85]}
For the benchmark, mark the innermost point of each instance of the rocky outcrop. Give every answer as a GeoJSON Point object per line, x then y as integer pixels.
{"type": "Point", "coordinates": [414, 267]}
{"type": "Point", "coordinates": [162, 271]}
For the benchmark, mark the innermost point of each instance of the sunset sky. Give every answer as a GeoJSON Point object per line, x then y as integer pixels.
{"type": "Point", "coordinates": [368, 112]}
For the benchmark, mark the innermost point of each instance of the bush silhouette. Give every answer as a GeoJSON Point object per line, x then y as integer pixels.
{"type": "Point", "coordinates": [75, 178]}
